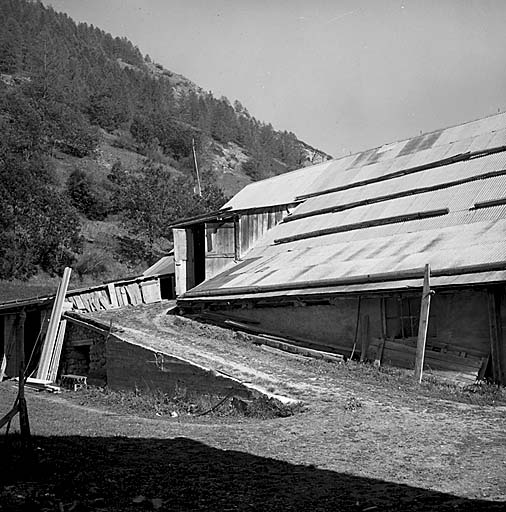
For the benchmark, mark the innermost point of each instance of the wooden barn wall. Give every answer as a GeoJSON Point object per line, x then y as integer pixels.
{"type": "Point", "coordinates": [220, 246]}
{"type": "Point", "coordinates": [326, 325]}
{"type": "Point", "coordinates": [253, 226]}
{"type": "Point", "coordinates": [459, 341]}
{"type": "Point", "coordinates": [462, 321]}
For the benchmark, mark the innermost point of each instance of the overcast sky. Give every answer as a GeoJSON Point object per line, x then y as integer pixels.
{"type": "Point", "coordinates": [342, 75]}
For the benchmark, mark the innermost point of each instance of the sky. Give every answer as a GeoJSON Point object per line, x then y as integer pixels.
{"type": "Point", "coordinates": [343, 75]}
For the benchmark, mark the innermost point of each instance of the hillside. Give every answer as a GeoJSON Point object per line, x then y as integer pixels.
{"type": "Point", "coordinates": [96, 155]}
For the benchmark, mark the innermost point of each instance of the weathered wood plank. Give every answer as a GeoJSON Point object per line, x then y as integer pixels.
{"type": "Point", "coordinates": [497, 349]}
{"type": "Point", "coordinates": [113, 299]}
{"type": "Point", "coordinates": [49, 341]}
{"type": "Point", "coordinates": [364, 337]}
{"type": "Point", "coordinates": [423, 325]}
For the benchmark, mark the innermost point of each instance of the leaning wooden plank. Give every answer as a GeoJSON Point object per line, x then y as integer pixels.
{"type": "Point", "coordinates": [112, 295]}
{"type": "Point", "coordinates": [104, 299]}
{"type": "Point", "coordinates": [131, 295]}
{"type": "Point", "coordinates": [423, 325]}
{"type": "Point", "coordinates": [85, 297]}
{"type": "Point", "coordinates": [55, 360]}
{"type": "Point", "coordinates": [124, 295]}
{"type": "Point", "coordinates": [95, 297]}
{"type": "Point", "coordinates": [150, 291]}
{"type": "Point", "coordinates": [50, 340]}
{"type": "Point", "coordinates": [119, 296]}
{"type": "Point", "coordinates": [79, 302]}
{"type": "Point", "coordinates": [137, 292]}
{"type": "Point", "coordinates": [146, 292]}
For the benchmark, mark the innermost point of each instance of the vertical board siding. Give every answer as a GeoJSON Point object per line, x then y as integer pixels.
{"type": "Point", "coordinates": [253, 226]}
{"type": "Point", "coordinates": [220, 238]}
{"type": "Point", "coordinates": [224, 244]}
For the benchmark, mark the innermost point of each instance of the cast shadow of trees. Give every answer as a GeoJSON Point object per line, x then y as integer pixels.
{"type": "Point", "coordinates": [79, 474]}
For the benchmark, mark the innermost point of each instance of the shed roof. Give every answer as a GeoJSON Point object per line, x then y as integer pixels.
{"type": "Point", "coordinates": [278, 190]}
{"type": "Point", "coordinates": [439, 198]}
{"type": "Point", "coordinates": [163, 266]}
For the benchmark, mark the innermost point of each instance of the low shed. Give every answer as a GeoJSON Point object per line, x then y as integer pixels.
{"type": "Point", "coordinates": [340, 263]}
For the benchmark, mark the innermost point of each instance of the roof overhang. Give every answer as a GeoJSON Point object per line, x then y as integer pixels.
{"type": "Point", "coordinates": [477, 275]}
{"type": "Point", "coordinates": [217, 215]}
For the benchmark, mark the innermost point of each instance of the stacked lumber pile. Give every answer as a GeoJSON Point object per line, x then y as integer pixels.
{"type": "Point", "coordinates": [53, 342]}
{"type": "Point", "coordinates": [465, 367]}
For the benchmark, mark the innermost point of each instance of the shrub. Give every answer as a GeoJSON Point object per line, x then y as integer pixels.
{"type": "Point", "coordinates": [86, 195]}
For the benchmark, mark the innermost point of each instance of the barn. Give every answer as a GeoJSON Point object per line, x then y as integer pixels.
{"type": "Point", "coordinates": [333, 256]}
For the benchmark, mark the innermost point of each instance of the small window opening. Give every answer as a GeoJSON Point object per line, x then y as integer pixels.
{"type": "Point", "coordinates": [402, 316]}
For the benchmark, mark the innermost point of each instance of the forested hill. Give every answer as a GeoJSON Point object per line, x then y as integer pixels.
{"type": "Point", "coordinates": [67, 91]}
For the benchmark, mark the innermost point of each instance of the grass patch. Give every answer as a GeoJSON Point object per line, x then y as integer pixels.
{"type": "Point", "coordinates": [480, 393]}
{"type": "Point", "coordinates": [38, 286]}
{"type": "Point", "coordinates": [180, 404]}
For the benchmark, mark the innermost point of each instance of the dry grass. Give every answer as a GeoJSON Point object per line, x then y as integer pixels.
{"type": "Point", "coordinates": [181, 404]}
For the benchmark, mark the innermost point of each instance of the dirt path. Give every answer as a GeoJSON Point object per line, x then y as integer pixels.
{"type": "Point", "coordinates": [221, 350]}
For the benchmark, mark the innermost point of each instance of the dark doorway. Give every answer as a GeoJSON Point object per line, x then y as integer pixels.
{"type": "Point", "coordinates": [168, 287]}
{"type": "Point", "coordinates": [33, 343]}
{"type": "Point", "coordinates": [199, 254]}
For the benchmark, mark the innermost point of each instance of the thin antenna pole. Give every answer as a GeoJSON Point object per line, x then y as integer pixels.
{"type": "Point", "coordinates": [199, 189]}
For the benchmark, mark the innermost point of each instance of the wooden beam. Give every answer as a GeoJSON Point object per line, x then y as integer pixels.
{"type": "Point", "coordinates": [497, 349]}
{"type": "Point", "coordinates": [112, 295]}
{"type": "Point", "coordinates": [237, 237]}
{"type": "Point", "coordinates": [24, 424]}
{"type": "Point", "coordinates": [55, 359]}
{"type": "Point", "coordinates": [364, 338]}
{"type": "Point", "coordinates": [52, 331]}
{"type": "Point", "coordinates": [423, 325]}
{"type": "Point", "coordinates": [86, 325]}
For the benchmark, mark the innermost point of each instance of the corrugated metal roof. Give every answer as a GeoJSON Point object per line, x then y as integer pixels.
{"type": "Point", "coordinates": [297, 263]}
{"type": "Point", "coordinates": [278, 190]}
{"type": "Point", "coordinates": [386, 286]}
{"type": "Point", "coordinates": [432, 147]}
{"type": "Point", "coordinates": [338, 245]}
{"type": "Point", "coordinates": [163, 266]}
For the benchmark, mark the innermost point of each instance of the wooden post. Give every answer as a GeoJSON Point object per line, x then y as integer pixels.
{"type": "Point", "coordinates": [497, 353]}
{"type": "Point", "coordinates": [423, 324]}
{"type": "Point", "coordinates": [20, 403]}
{"type": "Point", "coordinates": [113, 299]}
{"type": "Point", "coordinates": [55, 358]}
{"type": "Point", "coordinates": [52, 331]}
{"type": "Point", "coordinates": [364, 338]}
{"type": "Point", "coordinates": [23, 411]}
{"type": "Point", "coordinates": [195, 163]}
{"type": "Point", "coordinates": [237, 238]}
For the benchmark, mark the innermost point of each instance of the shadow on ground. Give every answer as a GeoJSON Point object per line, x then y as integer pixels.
{"type": "Point", "coordinates": [80, 474]}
